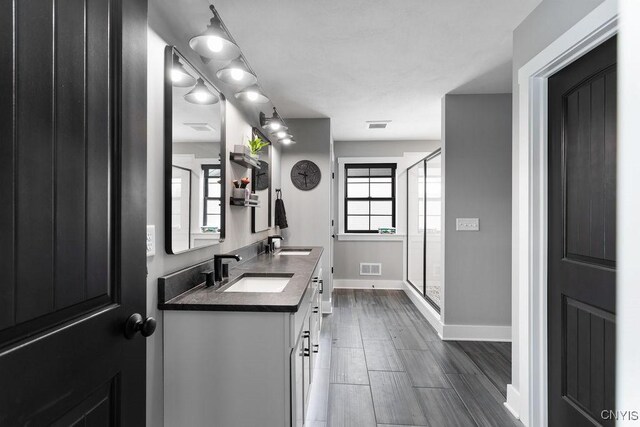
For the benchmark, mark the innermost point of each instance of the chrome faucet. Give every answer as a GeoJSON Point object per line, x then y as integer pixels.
{"type": "Point", "coordinates": [270, 242]}
{"type": "Point", "coordinates": [217, 265]}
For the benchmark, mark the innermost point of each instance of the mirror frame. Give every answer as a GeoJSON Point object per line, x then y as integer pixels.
{"type": "Point", "coordinates": [254, 133]}
{"type": "Point", "coordinates": [169, 51]}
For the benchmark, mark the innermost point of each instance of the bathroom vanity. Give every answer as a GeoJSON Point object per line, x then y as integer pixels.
{"type": "Point", "coordinates": [242, 354]}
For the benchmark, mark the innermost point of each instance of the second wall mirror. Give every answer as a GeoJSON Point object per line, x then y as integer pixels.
{"type": "Point", "coordinates": [261, 184]}
{"type": "Point", "coordinates": [194, 144]}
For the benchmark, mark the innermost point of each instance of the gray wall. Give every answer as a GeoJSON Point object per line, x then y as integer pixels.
{"type": "Point", "coordinates": [349, 254]}
{"type": "Point", "coordinates": [546, 23]}
{"type": "Point", "coordinates": [238, 220]}
{"type": "Point", "coordinates": [477, 155]}
{"type": "Point", "coordinates": [309, 212]}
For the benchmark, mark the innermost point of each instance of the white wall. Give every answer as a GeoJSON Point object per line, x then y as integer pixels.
{"type": "Point", "coordinates": [477, 154]}
{"type": "Point", "coordinates": [628, 298]}
{"type": "Point", "coordinates": [545, 24]}
{"type": "Point", "coordinates": [238, 220]}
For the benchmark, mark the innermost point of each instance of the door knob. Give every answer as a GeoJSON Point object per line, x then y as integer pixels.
{"type": "Point", "coordinates": [135, 323]}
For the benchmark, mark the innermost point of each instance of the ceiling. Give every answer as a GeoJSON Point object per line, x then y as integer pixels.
{"type": "Point", "coordinates": [362, 60]}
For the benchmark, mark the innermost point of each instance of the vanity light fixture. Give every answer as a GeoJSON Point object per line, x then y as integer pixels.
{"type": "Point", "coordinates": [179, 76]}
{"type": "Point", "coordinates": [237, 73]}
{"type": "Point", "coordinates": [215, 42]}
{"type": "Point", "coordinates": [273, 123]}
{"type": "Point", "coordinates": [283, 134]}
{"type": "Point", "coordinates": [287, 141]}
{"type": "Point", "coordinates": [252, 94]}
{"type": "Point", "coordinates": [200, 94]}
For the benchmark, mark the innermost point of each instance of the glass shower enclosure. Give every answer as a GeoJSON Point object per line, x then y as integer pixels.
{"type": "Point", "coordinates": [424, 228]}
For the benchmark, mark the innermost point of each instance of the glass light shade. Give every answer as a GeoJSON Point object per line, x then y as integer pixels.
{"type": "Point", "coordinates": [287, 141]}
{"type": "Point", "coordinates": [215, 43]}
{"type": "Point", "coordinates": [252, 94]}
{"type": "Point", "coordinates": [200, 94]}
{"type": "Point", "coordinates": [237, 73]}
{"type": "Point", "coordinates": [180, 77]}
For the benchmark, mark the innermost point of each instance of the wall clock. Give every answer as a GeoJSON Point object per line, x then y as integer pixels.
{"type": "Point", "coordinates": [261, 176]}
{"type": "Point", "coordinates": [305, 175]}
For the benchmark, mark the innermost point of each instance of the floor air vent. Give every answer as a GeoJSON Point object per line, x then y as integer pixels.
{"type": "Point", "coordinates": [370, 269]}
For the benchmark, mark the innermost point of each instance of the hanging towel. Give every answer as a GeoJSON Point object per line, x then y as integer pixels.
{"type": "Point", "coordinates": [281, 214]}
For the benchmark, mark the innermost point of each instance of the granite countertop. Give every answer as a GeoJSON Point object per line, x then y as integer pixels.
{"type": "Point", "coordinates": [215, 299]}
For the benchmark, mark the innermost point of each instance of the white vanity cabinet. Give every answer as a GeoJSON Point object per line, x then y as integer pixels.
{"type": "Point", "coordinates": [240, 368]}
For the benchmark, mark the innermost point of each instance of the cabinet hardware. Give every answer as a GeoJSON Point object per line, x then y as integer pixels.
{"type": "Point", "coordinates": [306, 352]}
{"type": "Point", "coordinates": [316, 348]}
{"type": "Point", "coordinates": [315, 310]}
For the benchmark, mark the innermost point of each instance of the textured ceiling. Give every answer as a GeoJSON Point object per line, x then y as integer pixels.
{"type": "Point", "coordinates": [360, 60]}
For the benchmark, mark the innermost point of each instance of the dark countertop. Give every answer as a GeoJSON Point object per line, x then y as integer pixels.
{"type": "Point", "coordinates": [302, 267]}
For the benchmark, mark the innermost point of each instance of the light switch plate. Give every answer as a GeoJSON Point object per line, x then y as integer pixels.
{"type": "Point", "coordinates": [151, 240]}
{"type": "Point", "coordinates": [467, 224]}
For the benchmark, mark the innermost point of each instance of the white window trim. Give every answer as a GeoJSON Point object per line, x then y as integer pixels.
{"type": "Point", "coordinates": [365, 237]}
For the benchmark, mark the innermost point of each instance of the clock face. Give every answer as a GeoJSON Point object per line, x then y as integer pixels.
{"type": "Point", "coordinates": [305, 175]}
{"type": "Point", "coordinates": [261, 177]}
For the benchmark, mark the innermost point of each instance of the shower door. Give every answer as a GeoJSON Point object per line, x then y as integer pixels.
{"type": "Point", "coordinates": [424, 228]}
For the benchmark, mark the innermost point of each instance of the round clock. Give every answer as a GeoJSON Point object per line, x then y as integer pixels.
{"type": "Point", "coordinates": [261, 178]}
{"type": "Point", "coordinates": [305, 175]}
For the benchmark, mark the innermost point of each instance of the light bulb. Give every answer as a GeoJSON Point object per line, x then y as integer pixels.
{"type": "Point", "coordinates": [214, 43]}
{"type": "Point", "coordinates": [237, 74]}
{"type": "Point", "coordinates": [176, 76]}
{"type": "Point", "coordinates": [286, 141]}
{"type": "Point", "coordinates": [275, 125]}
{"type": "Point", "coordinates": [281, 134]}
{"type": "Point", "coordinates": [252, 96]}
{"type": "Point", "coordinates": [201, 96]}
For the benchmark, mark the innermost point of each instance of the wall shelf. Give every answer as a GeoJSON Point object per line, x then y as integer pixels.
{"type": "Point", "coordinates": [244, 160]}
{"type": "Point", "coordinates": [243, 203]}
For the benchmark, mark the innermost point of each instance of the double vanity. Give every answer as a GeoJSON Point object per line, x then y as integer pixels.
{"type": "Point", "coordinates": [242, 353]}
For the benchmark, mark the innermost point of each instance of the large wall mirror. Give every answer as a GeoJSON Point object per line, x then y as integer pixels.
{"type": "Point", "coordinates": [194, 144]}
{"type": "Point", "coordinates": [261, 184]}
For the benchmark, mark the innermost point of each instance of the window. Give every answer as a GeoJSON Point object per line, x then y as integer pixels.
{"type": "Point", "coordinates": [212, 200]}
{"type": "Point", "coordinates": [370, 197]}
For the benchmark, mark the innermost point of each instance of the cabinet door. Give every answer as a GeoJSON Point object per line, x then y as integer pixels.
{"type": "Point", "coordinates": [306, 335]}
{"type": "Point", "coordinates": [297, 388]}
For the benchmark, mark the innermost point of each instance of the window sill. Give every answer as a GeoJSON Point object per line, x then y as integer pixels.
{"type": "Point", "coordinates": [364, 237]}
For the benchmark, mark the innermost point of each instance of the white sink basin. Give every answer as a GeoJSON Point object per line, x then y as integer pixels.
{"type": "Point", "coordinates": [259, 284]}
{"type": "Point", "coordinates": [295, 252]}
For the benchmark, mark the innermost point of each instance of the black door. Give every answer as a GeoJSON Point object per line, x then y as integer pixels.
{"type": "Point", "coordinates": [72, 211]}
{"type": "Point", "coordinates": [582, 239]}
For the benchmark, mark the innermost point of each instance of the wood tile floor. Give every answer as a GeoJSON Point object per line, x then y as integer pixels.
{"type": "Point", "coordinates": [381, 364]}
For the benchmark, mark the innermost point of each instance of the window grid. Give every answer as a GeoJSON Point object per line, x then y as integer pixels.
{"type": "Point", "coordinates": [371, 178]}
{"type": "Point", "coordinates": [210, 177]}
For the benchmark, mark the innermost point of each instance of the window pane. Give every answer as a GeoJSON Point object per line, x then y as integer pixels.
{"type": "Point", "coordinates": [358, 180]}
{"type": "Point", "coordinates": [380, 221]}
{"type": "Point", "coordinates": [433, 223]}
{"type": "Point", "coordinates": [381, 179]}
{"type": "Point", "coordinates": [433, 207]}
{"type": "Point", "coordinates": [381, 208]}
{"type": "Point", "coordinates": [213, 207]}
{"type": "Point", "coordinates": [214, 173]}
{"type": "Point", "coordinates": [381, 172]}
{"type": "Point", "coordinates": [214, 189]}
{"type": "Point", "coordinates": [358, 223]}
{"type": "Point", "coordinates": [357, 190]}
{"type": "Point", "coordinates": [213, 221]}
{"type": "Point", "coordinates": [434, 189]}
{"type": "Point", "coordinates": [357, 172]}
{"type": "Point", "coordinates": [381, 190]}
{"type": "Point", "coordinates": [358, 207]}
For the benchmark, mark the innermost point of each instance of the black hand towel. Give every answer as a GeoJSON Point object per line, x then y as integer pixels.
{"type": "Point", "coordinates": [281, 214]}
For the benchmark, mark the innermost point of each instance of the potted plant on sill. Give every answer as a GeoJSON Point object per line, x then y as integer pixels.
{"type": "Point", "coordinates": [256, 145]}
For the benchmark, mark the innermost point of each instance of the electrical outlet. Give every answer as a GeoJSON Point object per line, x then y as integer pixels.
{"type": "Point", "coordinates": [467, 224]}
{"type": "Point", "coordinates": [151, 240]}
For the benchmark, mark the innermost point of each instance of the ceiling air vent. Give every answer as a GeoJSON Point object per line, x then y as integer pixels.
{"type": "Point", "coordinates": [379, 124]}
{"type": "Point", "coordinates": [200, 127]}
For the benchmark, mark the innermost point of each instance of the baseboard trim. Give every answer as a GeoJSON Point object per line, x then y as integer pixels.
{"type": "Point", "coordinates": [513, 401]}
{"type": "Point", "coordinates": [366, 284]}
{"type": "Point", "coordinates": [476, 333]}
{"type": "Point", "coordinates": [432, 316]}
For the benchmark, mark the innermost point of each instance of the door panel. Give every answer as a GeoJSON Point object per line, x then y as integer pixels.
{"type": "Point", "coordinates": [72, 185]}
{"type": "Point", "coordinates": [581, 305]}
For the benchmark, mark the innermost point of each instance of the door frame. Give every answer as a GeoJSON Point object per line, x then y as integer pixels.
{"type": "Point", "coordinates": [529, 399]}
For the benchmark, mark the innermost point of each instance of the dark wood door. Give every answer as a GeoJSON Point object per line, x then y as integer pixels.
{"type": "Point", "coordinates": [582, 239]}
{"type": "Point", "coordinates": [72, 211]}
